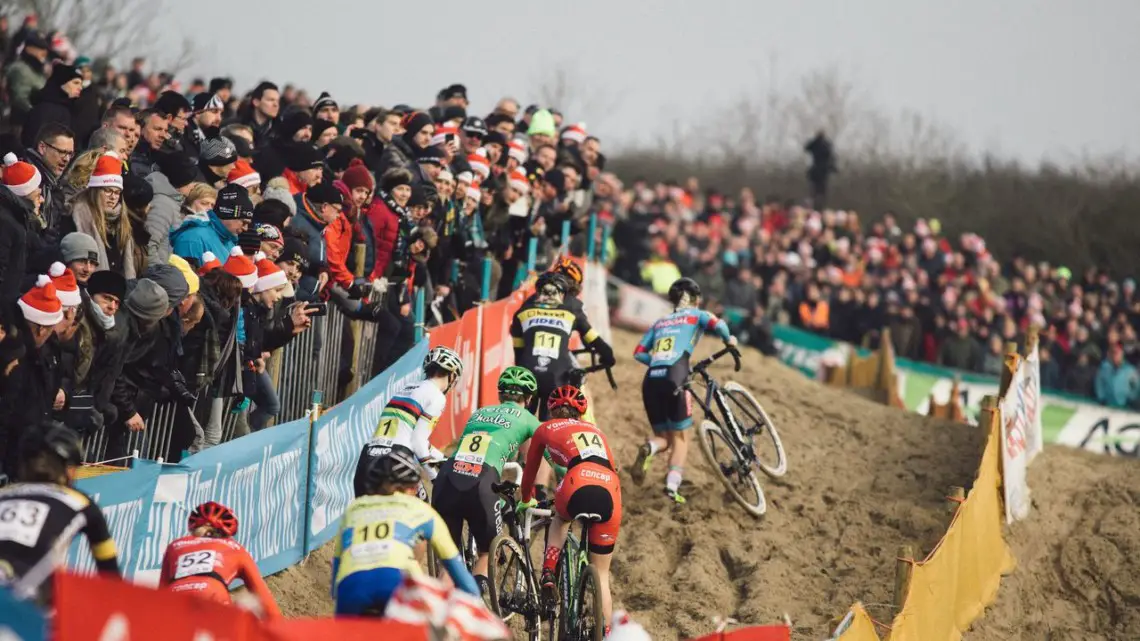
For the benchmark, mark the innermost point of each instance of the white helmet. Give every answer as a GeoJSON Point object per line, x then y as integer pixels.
{"type": "Point", "coordinates": [446, 359]}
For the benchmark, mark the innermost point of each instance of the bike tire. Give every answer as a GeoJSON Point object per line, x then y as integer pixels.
{"type": "Point", "coordinates": [555, 615]}
{"type": "Point", "coordinates": [433, 565]}
{"type": "Point", "coordinates": [506, 563]}
{"type": "Point", "coordinates": [715, 442]}
{"type": "Point", "coordinates": [755, 413]}
{"type": "Point", "coordinates": [589, 598]}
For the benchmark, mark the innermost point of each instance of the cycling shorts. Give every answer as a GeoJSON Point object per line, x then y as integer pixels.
{"type": "Point", "coordinates": [367, 591]}
{"type": "Point", "coordinates": [590, 488]}
{"type": "Point", "coordinates": [459, 497]}
{"type": "Point", "coordinates": [205, 587]}
{"type": "Point", "coordinates": [667, 408]}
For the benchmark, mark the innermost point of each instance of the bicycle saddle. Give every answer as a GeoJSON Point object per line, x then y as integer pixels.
{"type": "Point", "coordinates": [589, 517]}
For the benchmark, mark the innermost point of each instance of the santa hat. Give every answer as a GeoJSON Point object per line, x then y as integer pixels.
{"type": "Point", "coordinates": [241, 266]}
{"type": "Point", "coordinates": [269, 275]}
{"type": "Point", "coordinates": [465, 177]}
{"type": "Point", "coordinates": [474, 190]}
{"type": "Point", "coordinates": [65, 284]}
{"type": "Point", "coordinates": [479, 163]}
{"type": "Point", "coordinates": [244, 175]}
{"type": "Point", "coordinates": [575, 133]}
{"type": "Point", "coordinates": [210, 262]}
{"type": "Point", "coordinates": [21, 178]}
{"type": "Point", "coordinates": [108, 171]}
{"type": "Point", "coordinates": [441, 133]}
{"type": "Point", "coordinates": [518, 151]}
{"type": "Point", "coordinates": [518, 181]}
{"type": "Point", "coordinates": [41, 304]}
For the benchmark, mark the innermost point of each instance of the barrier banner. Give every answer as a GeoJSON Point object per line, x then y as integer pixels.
{"type": "Point", "coordinates": [755, 633]}
{"type": "Point", "coordinates": [20, 620]}
{"type": "Point", "coordinates": [1015, 418]}
{"type": "Point", "coordinates": [126, 499]}
{"type": "Point", "coordinates": [1034, 440]}
{"type": "Point", "coordinates": [446, 335]}
{"type": "Point", "coordinates": [637, 308]}
{"type": "Point", "coordinates": [344, 630]}
{"type": "Point", "coordinates": [465, 397]}
{"type": "Point", "coordinates": [498, 352]}
{"type": "Point", "coordinates": [337, 438]}
{"type": "Point", "coordinates": [594, 300]}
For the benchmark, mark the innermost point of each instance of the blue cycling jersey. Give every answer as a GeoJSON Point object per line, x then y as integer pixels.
{"type": "Point", "coordinates": [673, 337]}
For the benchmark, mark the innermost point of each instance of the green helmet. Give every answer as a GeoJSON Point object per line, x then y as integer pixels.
{"type": "Point", "coordinates": [518, 380]}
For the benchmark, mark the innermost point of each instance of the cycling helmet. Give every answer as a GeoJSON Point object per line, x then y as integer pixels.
{"type": "Point", "coordinates": [215, 515]}
{"type": "Point", "coordinates": [518, 380]}
{"type": "Point", "coordinates": [683, 286]}
{"type": "Point", "coordinates": [444, 358]}
{"type": "Point", "coordinates": [555, 279]}
{"type": "Point", "coordinates": [567, 395]}
{"type": "Point", "coordinates": [53, 437]}
{"type": "Point", "coordinates": [568, 268]}
{"type": "Point", "coordinates": [398, 466]}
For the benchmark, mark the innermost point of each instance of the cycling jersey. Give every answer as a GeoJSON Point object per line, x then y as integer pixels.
{"type": "Point", "coordinates": [410, 417]}
{"type": "Point", "coordinates": [206, 567]}
{"type": "Point", "coordinates": [541, 338]}
{"type": "Point", "coordinates": [37, 524]}
{"type": "Point", "coordinates": [376, 546]}
{"type": "Point", "coordinates": [673, 337]}
{"type": "Point", "coordinates": [493, 436]}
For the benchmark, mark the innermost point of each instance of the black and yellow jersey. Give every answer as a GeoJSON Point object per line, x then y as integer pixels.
{"type": "Point", "coordinates": [38, 521]}
{"type": "Point", "coordinates": [541, 336]}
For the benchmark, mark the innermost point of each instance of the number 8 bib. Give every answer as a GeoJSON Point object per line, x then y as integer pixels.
{"type": "Point", "coordinates": [473, 448]}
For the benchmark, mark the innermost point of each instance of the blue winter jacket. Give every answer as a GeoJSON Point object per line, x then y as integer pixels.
{"type": "Point", "coordinates": [202, 233]}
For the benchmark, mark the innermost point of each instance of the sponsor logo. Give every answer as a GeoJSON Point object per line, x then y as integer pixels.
{"type": "Point", "coordinates": [594, 474]}
{"type": "Point", "coordinates": [469, 469]}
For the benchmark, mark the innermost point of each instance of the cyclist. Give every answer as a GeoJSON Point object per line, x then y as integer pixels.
{"type": "Point", "coordinates": [590, 486]}
{"type": "Point", "coordinates": [541, 332]}
{"type": "Point", "coordinates": [207, 561]}
{"type": "Point", "coordinates": [492, 437]}
{"type": "Point", "coordinates": [379, 534]}
{"type": "Point", "coordinates": [411, 414]}
{"type": "Point", "coordinates": [665, 348]}
{"type": "Point", "coordinates": [573, 273]}
{"type": "Point", "coordinates": [42, 513]}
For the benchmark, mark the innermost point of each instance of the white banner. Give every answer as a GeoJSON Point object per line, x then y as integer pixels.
{"type": "Point", "coordinates": [1015, 425]}
{"type": "Point", "coordinates": [637, 308]}
{"type": "Point", "coordinates": [594, 300]}
{"type": "Point", "coordinates": [1035, 441]}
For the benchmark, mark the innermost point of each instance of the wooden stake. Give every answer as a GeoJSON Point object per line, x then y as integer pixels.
{"type": "Point", "coordinates": [904, 569]}
{"type": "Point", "coordinates": [955, 497]}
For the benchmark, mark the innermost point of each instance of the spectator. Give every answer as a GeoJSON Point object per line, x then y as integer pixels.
{"type": "Point", "coordinates": [822, 166]}
{"type": "Point", "coordinates": [244, 175]}
{"type": "Point", "coordinates": [80, 255]}
{"type": "Point", "coordinates": [170, 185]}
{"type": "Point", "coordinates": [20, 200]}
{"type": "Point", "coordinates": [205, 122]}
{"type": "Point", "coordinates": [403, 150]}
{"type": "Point", "coordinates": [120, 119]}
{"type": "Point", "coordinates": [137, 197]}
{"type": "Point", "coordinates": [215, 231]}
{"type": "Point", "coordinates": [261, 338]}
{"type": "Point", "coordinates": [304, 167]}
{"type": "Point", "coordinates": [104, 139]}
{"type": "Point", "coordinates": [51, 153]}
{"type": "Point", "coordinates": [25, 77]}
{"type": "Point", "coordinates": [1117, 381]}
{"type": "Point", "coordinates": [98, 212]}
{"type": "Point", "coordinates": [218, 158]}
{"type": "Point", "coordinates": [155, 131]}
{"type": "Point", "coordinates": [1050, 370]}
{"type": "Point", "coordinates": [385, 215]}
{"type": "Point", "coordinates": [89, 105]}
{"type": "Point", "coordinates": [261, 114]}
{"type": "Point", "coordinates": [814, 313]}
{"type": "Point", "coordinates": [993, 359]}
{"type": "Point", "coordinates": [319, 207]}
{"type": "Point", "coordinates": [1079, 379]}
{"type": "Point", "coordinates": [960, 350]}
{"type": "Point", "coordinates": [210, 359]}
{"type": "Point", "coordinates": [101, 342]}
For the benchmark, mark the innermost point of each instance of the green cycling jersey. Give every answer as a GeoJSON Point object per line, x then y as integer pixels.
{"type": "Point", "coordinates": [494, 434]}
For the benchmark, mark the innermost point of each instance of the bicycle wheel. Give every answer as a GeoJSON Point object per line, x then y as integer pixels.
{"type": "Point", "coordinates": [753, 422]}
{"type": "Point", "coordinates": [554, 611]}
{"type": "Point", "coordinates": [512, 588]}
{"type": "Point", "coordinates": [590, 623]}
{"type": "Point", "coordinates": [734, 473]}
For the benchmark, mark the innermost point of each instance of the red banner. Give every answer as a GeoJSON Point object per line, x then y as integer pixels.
{"type": "Point", "coordinates": [341, 629]}
{"type": "Point", "coordinates": [757, 633]}
{"type": "Point", "coordinates": [446, 335]}
{"type": "Point", "coordinates": [465, 397]}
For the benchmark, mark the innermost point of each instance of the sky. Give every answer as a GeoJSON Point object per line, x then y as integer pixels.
{"type": "Point", "coordinates": [1028, 79]}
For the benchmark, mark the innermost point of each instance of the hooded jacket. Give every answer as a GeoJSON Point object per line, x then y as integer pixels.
{"type": "Point", "coordinates": [25, 77]}
{"type": "Point", "coordinates": [308, 223]}
{"type": "Point", "coordinates": [201, 233]}
{"type": "Point", "coordinates": [14, 214]}
{"type": "Point", "coordinates": [164, 217]}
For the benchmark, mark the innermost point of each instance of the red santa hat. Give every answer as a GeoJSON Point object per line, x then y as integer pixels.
{"type": "Point", "coordinates": [575, 133]}
{"type": "Point", "coordinates": [242, 267]}
{"type": "Point", "coordinates": [518, 181]}
{"type": "Point", "coordinates": [465, 178]}
{"type": "Point", "coordinates": [210, 262]}
{"type": "Point", "coordinates": [66, 287]}
{"type": "Point", "coordinates": [20, 178]}
{"type": "Point", "coordinates": [479, 163]}
{"type": "Point", "coordinates": [474, 190]}
{"type": "Point", "coordinates": [518, 151]}
{"type": "Point", "coordinates": [108, 171]}
{"type": "Point", "coordinates": [441, 133]}
{"type": "Point", "coordinates": [269, 275]}
{"type": "Point", "coordinates": [41, 304]}
{"type": "Point", "coordinates": [244, 175]}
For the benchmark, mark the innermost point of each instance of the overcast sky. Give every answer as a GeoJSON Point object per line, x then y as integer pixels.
{"type": "Point", "coordinates": [1025, 78]}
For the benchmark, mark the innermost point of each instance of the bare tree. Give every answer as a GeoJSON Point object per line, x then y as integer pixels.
{"type": "Point", "coordinates": [578, 97]}
{"type": "Point", "coordinates": [114, 29]}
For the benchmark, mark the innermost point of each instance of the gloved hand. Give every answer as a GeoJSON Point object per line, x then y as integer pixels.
{"type": "Point", "coordinates": [182, 393]}
{"type": "Point", "coordinates": [360, 288]}
{"type": "Point", "coordinates": [240, 407]}
{"type": "Point", "coordinates": [731, 342]}
{"type": "Point", "coordinates": [605, 352]}
{"type": "Point", "coordinates": [522, 506]}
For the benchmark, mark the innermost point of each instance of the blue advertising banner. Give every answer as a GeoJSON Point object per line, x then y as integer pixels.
{"type": "Point", "coordinates": [125, 498]}
{"type": "Point", "coordinates": [338, 437]}
{"type": "Point", "coordinates": [20, 620]}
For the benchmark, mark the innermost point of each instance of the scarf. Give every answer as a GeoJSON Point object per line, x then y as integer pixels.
{"type": "Point", "coordinates": [105, 321]}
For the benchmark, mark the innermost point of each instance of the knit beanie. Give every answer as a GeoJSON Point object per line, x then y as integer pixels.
{"type": "Point", "coordinates": [20, 178]}
{"type": "Point", "coordinates": [178, 168]}
{"type": "Point", "coordinates": [324, 193]}
{"type": "Point", "coordinates": [218, 152]}
{"type": "Point", "coordinates": [413, 123]}
{"type": "Point", "coordinates": [430, 156]}
{"type": "Point", "coordinates": [234, 203]}
{"type": "Point", "coordinates": [107, 282]}
{"type": "Point", "coordinates": [250, 242]}
{"type": "Point", "coordinates": [278, 189]}
{"type": "Point", "coordinates": [357, 175]}
{"type": "Point", "coordinates": [62, 74]}
{"type": "Point", "coordinates": [210, 262]}
{"type": "Point", "coordinates": [108, 172]}
{"type": "Point", "coordinates": [269, 275]}
{"type": "Point", "coordinates": [187, 272]}
{"type": "Point", "coordinates": [41, 304]}
{"type": "Point", "coordinates": [324, 100]}
{"type": "Point", "coordinates": [206, 101]}
{"type": "Point", "coordinates": [293, 122]}
{"type": "Point", "coordinates": [295, 251]}
{"type": "Point", "coordinates": [267, 233]}
{"type": "Point", "coordinates": [171, 280]}
{"type": "Point", "coordinates": [242, 267]}
{"type": "Point", "coordinates": [302, 156]}
{"type": "Point", "coordinates": [244, 175]}
{"type": "Point", "coordinates": [542, 123]}
{"type": "Point", "coordinates": [137, 192]}
{"type": "Point", "coordinates": [79, 246]}
{"type": "Point", "coordinates": [320, 126]}
{"type": "Point", "coordinates": [495, 138]}
{"type": "Point", "coordinates": [66, 287]}
{"type": "Point", "coordinates": [148, 301]}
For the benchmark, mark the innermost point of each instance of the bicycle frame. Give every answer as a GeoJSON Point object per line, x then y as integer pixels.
{"type": "Point", "coordinates": [572, 575]}
{"type": "Point", "coordinates": [713, 392]}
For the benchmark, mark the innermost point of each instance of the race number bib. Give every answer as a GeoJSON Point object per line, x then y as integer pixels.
{"type": "Point", "coordinates": [473, 448]}
{"type": "Point", "coordinates": [590, 444]}
{"type": "Point", "coordinates": [22, 521]}
{"type": "Point", "coordinates": [194, 563]}
{"type": "Point", "coordinates": [546, 344]}
{"type": "Point", "coordinates": [664, 345]}
{"type": "Point", "coordinates": [372, 543]}
{"type": "Point", "coordinates": [386, 432]}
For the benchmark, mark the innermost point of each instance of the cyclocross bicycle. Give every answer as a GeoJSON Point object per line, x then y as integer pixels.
{"type": "Point", "coordinates": [577, 615]}
{"type": "Point", "coordinates": [732, 434]}
{"type": "Point", "coordinates": [510, 568]}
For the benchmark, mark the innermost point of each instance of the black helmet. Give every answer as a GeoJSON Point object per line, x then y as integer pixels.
{"type": "Point", "coordinates": [399, 466]}
{"type": "Point", "coordinates": [53, 437]}
{"type": "Point", "coordinates": [556, 279]}
{"type": "Point", "coordinates": [684, 286]}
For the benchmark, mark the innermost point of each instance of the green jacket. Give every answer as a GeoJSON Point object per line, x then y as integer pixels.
{"type": "Point", "coordinates": [23, 81]}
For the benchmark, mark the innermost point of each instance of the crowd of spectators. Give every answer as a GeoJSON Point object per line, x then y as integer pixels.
{"type": "Point", "coordinates": [946, 301]}
{"type": "Point", "coordinates": [159, 243]}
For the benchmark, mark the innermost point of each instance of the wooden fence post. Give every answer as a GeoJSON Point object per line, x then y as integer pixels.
{"type": "Point", "coordinates": [904, 569]}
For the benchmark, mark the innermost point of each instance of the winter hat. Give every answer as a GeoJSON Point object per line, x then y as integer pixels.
{"type": "Point", "coordinates": [479, 163]}
{"type": "Point", "coordinates": [179, 169]}
{"type": "Point", "coordinates": [62, 74]}
{"type": "Point", "coordinates": [518, 181]}
{"type": "Point", "coordinates": [210, 262]}
{"type": "Point", "coordinates": [453, 112]}
{"type": "Point", "coordinates": [413, 122]}
{"type": "Point", "coordinates": [319, 127]}
{"type": "Point", "coordinates": [218, 152]}
{"type": "Point", "coordinates": [41, 304]}
{"type": "Point", "coordinates": [301, 156]}
{"type": "Point", "coordinates": [474, 190]}
{"type": "Point", "coordinates": [242, 267]}
{"type": "Point", "coordinates": [357, 175]}
{"type": "Point", "coordinates": [269, 275]}
{"type": "Point", "coordinates": [20, 178]}
{"type": "Point", "coordinates": [249, 242]}
{"type": "Point", "coordinates": [267, 233]}
{"type": "Point", "coordinates": [394, 178]}
{"type": "Point", "coordinates": [556, 179]}
{"type": "Point", "coordinates": [244, 175]}
{"type": "Point", "coordinates": [324, 193]}
{"type": "Point", "coordinates": [137, 192]}
{"type": "Point", "coordinates": [575, 133]}
{"type": "Point", "coordinates": [171, 280]}
{"type": "Point", "coordinates": [295, 252]}
{"type": "Point", "coordinates": [430, 156]}
{"type": "Point", "coordinates": [206, 101]}
{"type": "Point", "coordinates": [464, 177]}
{"type": "Point", "coordinates": [518, 151]}
{"type": "Point", "coordinates": [495, 138]}
{"type": "Point", "coordinates": [293, 122]}
{"type": "Point", "coordinates": [234, 203]}
{"type": "Point", "coordinates": [278, 189]}
{"type": "Point", "coordinates": [107, 282]}
{"type": "Point", "coordinates": [442, 132]}
{"type": "Point", "coordinates": [243, 146]}
{"type": "Point", "coordinates": [148, 300]}
{"type": "Point", "coordinates": [324, 100]}
{"type": "Point", "coordinates": [418, 198]}
{"type": "Point", "coordinates": [108, 172]}
{"type": "Point", "coordinates": [445, 174]}
{"type": "Point", "coordinates": [187, 272]}
{"type": "Point", "coordinates": [542, 123]}
{"type": "Point", "coordinates": [79, 246]}
{"type": "Point", "coordinates": [66, 286]}
{"type": "Point", "coordinates": [474, 126]}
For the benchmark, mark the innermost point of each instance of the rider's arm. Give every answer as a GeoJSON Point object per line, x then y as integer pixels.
{"type": "Point", "coordinates": [517, 340]}
{"type": "Point", "coordinates": [99, 538]}
{"type": "Point", "coordinates": [641, 352]}
{"type": "Point", "coordinates": [533, 459]}
{"type": "Point", "coordinates": [710, 323]}
{"type": "Point", "coordinates": [448, 554]}
{"type": "Point", "coordinates": [249, 574]}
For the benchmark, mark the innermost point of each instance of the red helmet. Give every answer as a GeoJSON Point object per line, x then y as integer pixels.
{"type": "Point", "coordinates": [215, 515]}
{"type": "Point", "coordinates": [567, 395]}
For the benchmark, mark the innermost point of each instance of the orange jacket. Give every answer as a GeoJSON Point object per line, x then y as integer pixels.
{"type": "Point", "coordinates": [815, 319]}
{"type": "Point", "coordinates": [295, 184]}
{"type": "Point", "coordinates": [338, 244]}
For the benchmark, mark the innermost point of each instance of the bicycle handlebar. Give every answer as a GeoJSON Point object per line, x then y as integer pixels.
{"type": "Point", "coordinates": [594, 366]}
{"type": "Point", "coordinates": [702, 365]}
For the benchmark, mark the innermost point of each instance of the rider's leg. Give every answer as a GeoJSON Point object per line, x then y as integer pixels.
{"type": "Point", "coordinates": [555, 539]}
{"type": "Point", "coordinates": [601, 563]}
{"type": "Point", "coordinates": [679, 446]}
